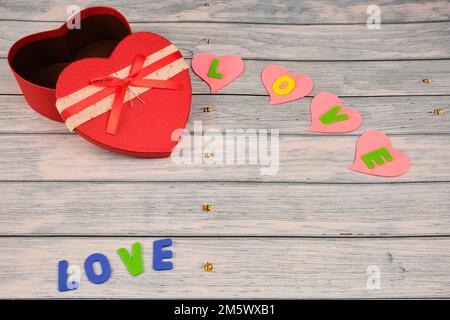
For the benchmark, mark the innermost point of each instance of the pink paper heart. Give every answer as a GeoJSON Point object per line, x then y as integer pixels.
{"type": "Point", "coordinates": [323, 103]}
{"type": "Point", "coordinates": [303, 84]}
{"type": "Point", "coordinates": [230, 66]}
{"type": "Point", "coordinates": [372, 141]}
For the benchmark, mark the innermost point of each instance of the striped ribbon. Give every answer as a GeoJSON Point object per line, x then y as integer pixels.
{"type": "Point", "coordinates": [100, 97]}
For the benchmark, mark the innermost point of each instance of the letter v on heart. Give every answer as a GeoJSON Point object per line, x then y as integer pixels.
{"type": "Point", "coordinates": [328, 115]}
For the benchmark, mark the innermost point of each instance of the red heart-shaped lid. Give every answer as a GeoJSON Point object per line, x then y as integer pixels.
{"type": "Point", "coordinates": [150, 116]}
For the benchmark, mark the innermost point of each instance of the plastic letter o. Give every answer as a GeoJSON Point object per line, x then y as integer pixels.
{"type": "Point", "coordinates": [276, 86]}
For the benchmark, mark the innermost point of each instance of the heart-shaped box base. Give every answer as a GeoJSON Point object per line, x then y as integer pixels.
{"type": "Point", "coordinates": [38, 59]}
{"type": "Point", "coordinates": [149, 123]}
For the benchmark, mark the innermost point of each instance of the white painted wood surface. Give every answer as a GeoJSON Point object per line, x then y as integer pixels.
{"type": "Point", "coordinates": [244, 268]}
{"type": "Point", "coordinates": [268, 209]}
{"type": "Point", "coordinates": [349, 79]}
{"type": "Point", "coordinates": [261, 11]}
{"type": "Point", "coordinates": [392, 115]}
{"type": "Point", "coordinates": [309, 231]}
{"type": "Point", "coordinates": [284, 42]}
{"type": "Point", "coordinates": [315, 158]}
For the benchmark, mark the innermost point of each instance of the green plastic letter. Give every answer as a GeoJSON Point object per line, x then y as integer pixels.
{"type": "Point", "coordinates": [132, 262]}
{"type": "Point", "coordinates": [331, 116]}
{"type": "Point", "coordinates": [212, 73]}
{"type": "Point", "coordinates": [376, 156]}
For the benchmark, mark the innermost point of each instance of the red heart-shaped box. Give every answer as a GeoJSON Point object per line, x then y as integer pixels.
{"type": "Point", "coordinates": [37, 60]}
{"type": "Point", "coordinates": [150, 116]}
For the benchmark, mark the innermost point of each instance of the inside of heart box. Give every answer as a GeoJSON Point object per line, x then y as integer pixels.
{"type": "Point", "coordinates": [41, 62]}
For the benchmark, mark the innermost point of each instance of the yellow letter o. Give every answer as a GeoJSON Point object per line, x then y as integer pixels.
{"type": "Point", "coordinates": [276, 86]}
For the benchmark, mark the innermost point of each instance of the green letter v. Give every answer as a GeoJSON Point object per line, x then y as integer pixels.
{"type": "Point", "coordinates": [331, 116]}
{"type": "Point", "coordinates": [133, 262]}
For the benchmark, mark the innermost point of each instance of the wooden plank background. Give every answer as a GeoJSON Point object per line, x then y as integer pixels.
{"type": "Point", "coordinates": [311, 230]}
{"type": "Point", "coordinates": [250, 11]}
{"type": "Point", "coordinates": [287, 42]}
{"type": "Point", "coordinates": [245, 268]}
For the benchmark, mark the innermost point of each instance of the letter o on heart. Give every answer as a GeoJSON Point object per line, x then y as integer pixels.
{"type": "Point", "coordinates": [290, 85]}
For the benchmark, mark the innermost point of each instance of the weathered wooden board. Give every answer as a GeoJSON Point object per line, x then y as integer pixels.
{"type": "Point", "coordinates": [284, 42]}
{"type": "Point", "coordinates": [370, 78]}
{"type": "Point", "coordinates": [392, 115]}
{"type": "Point", "coordinates": [244, 268]}
{"type": "Point", "coordinates": [164, 208]}
{"type": "Point", "coordinates": [317, 158]}
{"type": "Point", "coordinates": [266, 11]}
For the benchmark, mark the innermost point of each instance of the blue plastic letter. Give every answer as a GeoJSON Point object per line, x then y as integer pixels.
{"type": "Point", "coordinates": [62, 275]}
{"type": "Point", "coordinates": [159, 254]}
{"type": "Point", "coordinates": [89, 268]}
